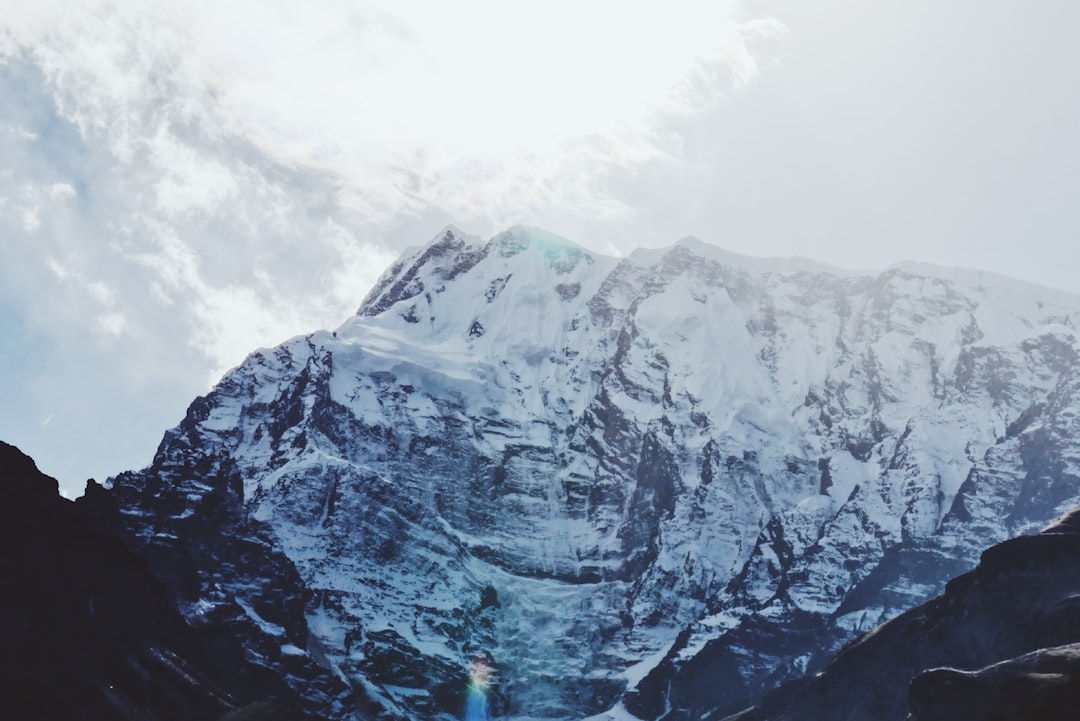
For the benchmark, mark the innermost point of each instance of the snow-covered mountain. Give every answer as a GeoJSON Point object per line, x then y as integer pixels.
{"type": "Point", "coordinates": [658, 485]}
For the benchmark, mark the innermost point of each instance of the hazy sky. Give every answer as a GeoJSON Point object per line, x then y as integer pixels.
{"type": "Point", "coordinates": [183, 183]}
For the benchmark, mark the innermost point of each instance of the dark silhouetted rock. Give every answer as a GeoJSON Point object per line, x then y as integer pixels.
{"type": "Point", "coordinates": [1001, 644]}
{"type": "Point", "coordinates": [90, 633]}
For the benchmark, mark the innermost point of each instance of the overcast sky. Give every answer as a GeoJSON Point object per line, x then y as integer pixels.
{"type": "Point", "coordinates": [183, 183]}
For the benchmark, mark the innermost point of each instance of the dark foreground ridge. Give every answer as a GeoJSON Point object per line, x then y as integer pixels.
{"type": "Point", "coordinates": [1002, 644]}
{"type": "Point", "coordinates": [89, 632]}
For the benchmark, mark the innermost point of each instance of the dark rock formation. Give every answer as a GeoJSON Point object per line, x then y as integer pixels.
{"type": "Point", "coordinates": [90, 633]}
{"type": "Point", "coordinates": [1040, 686]}
{"type": "Point", "coordinates": [1000, 644]}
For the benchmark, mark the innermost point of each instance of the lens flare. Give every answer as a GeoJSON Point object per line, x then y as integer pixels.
{"type": "Point", "coordinates": [476, 700]}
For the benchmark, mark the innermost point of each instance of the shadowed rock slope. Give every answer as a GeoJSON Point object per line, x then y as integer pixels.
{"type": "Point", "coordinates": [89, 633]}
{"type": "Point", "coordinates": [1002, 643]}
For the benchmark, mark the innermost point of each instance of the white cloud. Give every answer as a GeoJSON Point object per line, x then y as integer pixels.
{"type": "Point", "coordinates": [188, 179]}
{"type": "Point", "coordinates": [61, 191]}
{"type": "Point", "coordinates": [30, 218]}
{"type": "Point", "coordinates": [482, 112]}
{"type": "Point", "coordinates": [359, 267]}
{"type": "Point", "coordinates": [112, 324]}
{"type": "Point", "coordinates": [482, 109]}
{"type": "Point", "coordinates": [58, 270]}
{"type": "Point", "coordinates": [214, 178]}
{"type": "Point", "coordinates": [99, 291]}
{"type": "Point", "coordinates": [174, 261]}
{"type": "Point", "coordinates": [228, 174]}
{"type": "Point", "coordinates": [229, 321]}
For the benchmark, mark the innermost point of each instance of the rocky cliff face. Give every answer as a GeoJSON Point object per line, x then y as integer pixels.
{"type": "Point", "coordinates": [660, 484]}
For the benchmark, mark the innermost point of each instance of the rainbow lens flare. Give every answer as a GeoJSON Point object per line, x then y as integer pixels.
{"type": "Point", "coordinates": [476, 700]}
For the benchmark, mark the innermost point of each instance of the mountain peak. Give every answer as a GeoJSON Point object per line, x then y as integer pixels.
{"type": "Point", "coordinates": [562, 254]}
{"type": "Point", "coordinates": [449, 253]}
{"type": "Point", "coordinates": [452, 235]}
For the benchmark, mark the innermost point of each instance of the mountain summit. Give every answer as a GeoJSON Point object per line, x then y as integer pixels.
{"type": "Point", "coordinates": [652, 485]}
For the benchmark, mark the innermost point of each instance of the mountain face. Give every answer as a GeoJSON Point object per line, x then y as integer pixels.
{"type": "Point", "coordinates": [659, 485]}
{"type": "Point", "coordinates": [90, 633]}
{"type": "Point", "coordinates": [1011, 624]}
